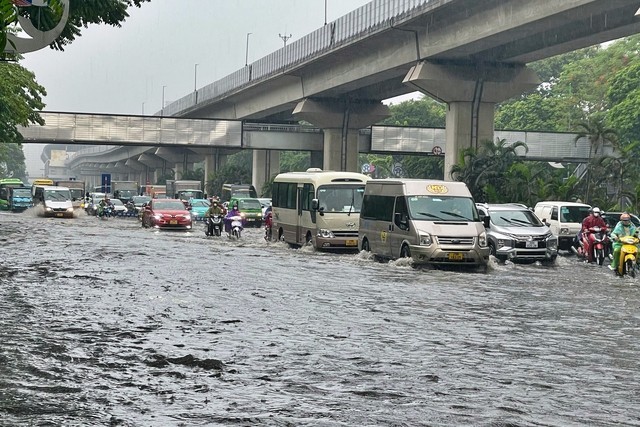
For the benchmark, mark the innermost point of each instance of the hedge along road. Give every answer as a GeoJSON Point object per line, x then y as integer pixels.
{"type": "Point", "coordinates": [105, 323]}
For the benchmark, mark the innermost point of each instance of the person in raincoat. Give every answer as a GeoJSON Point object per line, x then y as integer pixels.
{"type": "Point", "coordinates": [624, 227]}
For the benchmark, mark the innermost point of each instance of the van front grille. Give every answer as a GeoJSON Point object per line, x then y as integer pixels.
{"type": "Point", "coordinates": [454, 241]}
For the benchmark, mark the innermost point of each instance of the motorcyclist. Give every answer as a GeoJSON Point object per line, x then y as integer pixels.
{"type": "Point", "coordinates": [214, 210]}
{"type": "Point", "coordinates": [104, 203]}
{"type": "Point", "coordinates": [232, 213]}
{"type": "Point", "coordinates": [623, 228]}
{"type": "Point", "coordinates": [593, 220]}
{"type": "Point", "coordinates": [268, 223]}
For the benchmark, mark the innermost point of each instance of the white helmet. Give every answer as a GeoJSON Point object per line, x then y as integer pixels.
{"type": "Point", "coordinates": [596, 211]}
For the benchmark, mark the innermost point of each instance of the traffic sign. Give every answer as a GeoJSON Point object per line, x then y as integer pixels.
{"type": "Point", "coordinates": [437, 150]}
{"type": "Point", "coordinates": [105, 182]}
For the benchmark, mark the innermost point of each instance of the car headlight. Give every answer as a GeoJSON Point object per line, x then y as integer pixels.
{"type": "Point", "coordinates": [48, 209]}
{"type": "Point", "coordinates": [564, 230]}
{"type": "Point", "coordinates": [425, 240]}
{"type": "Point", "coordinates": [482, 239]}
{"type": "Point", "coordinates": [69, 209]}
{"type": "Point", "coordinates": [327, 234]}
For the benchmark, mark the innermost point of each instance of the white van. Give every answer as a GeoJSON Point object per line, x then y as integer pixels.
{"type": "Point", "coordinates": [563, 218]}
{"type": "Point", "coordinates": [56, 201]}
{"type": "Point", "coordinates": [431, 221]}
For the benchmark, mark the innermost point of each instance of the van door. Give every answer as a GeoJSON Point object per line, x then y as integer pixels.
{"type": "Point", "coordinates": [400, 229]}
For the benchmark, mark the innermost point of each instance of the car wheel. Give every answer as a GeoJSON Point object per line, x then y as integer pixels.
{"type": "Point", "coordinates": [365, 245]}
{"type": "Point", "coordinates": [308, 240]}
{"type": "Point", "coordinates": [405, 252]}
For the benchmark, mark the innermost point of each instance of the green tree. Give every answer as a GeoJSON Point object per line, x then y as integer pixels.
{"type": "Point", "coordinates": [82, 13]}
{"type": "Point", "coordinates": [598, 135]}
{"type": "Point", "coordinates": [12, 161]}
{"type": "Point", "coordinates": [424, 112]}
{"type": "Point", "coordinates": [237, 170]}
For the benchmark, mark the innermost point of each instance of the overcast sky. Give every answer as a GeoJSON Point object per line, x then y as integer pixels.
{"type": "Point", "coordinates": [116, 70]}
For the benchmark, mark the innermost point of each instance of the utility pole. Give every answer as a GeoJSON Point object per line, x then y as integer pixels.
{"type": "Point", "coordinates": [195, 77]}
{"type": "Point", "coordinates": [285, 38]}
{"type": "Point", "coordinates": [325, 12]}
{"type": "Point", "coordinates": [162, 109]}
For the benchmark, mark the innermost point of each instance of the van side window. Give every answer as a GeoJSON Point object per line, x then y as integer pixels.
{"type": "Point", "coordinates": [308, 193]}
{"type": "Point", "coordinates": [379, 208]}
{"type": "Point", "coordinates": [554, 213]}
{"type": "Point", "coordinates": [401, 216]}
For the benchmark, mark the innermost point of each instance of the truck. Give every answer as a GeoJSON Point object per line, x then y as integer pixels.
{"type": "Point", "coordinates": [77, 190]}
{"type": "Point", "coordinates": [184, 190]}
{"type": "Point", "coordinates": [125, 190]}
{"type": "Point", "coordinates": [20, 198]}
{"type": "Point", "coordinates": [5, 185]}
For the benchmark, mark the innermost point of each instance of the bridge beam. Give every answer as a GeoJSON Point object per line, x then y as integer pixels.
{"type": "Point", "coordinates": [471, 91]}
{"type": "Point", "coordinates": [340, 120]}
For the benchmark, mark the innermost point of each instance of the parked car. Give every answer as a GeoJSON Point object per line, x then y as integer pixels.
{"type": "Point", "coordinates": [166, 213]}
{"type": "Point", "coordinates": [251, 208]}
{"type": "Point", "coordinates": [514, 232]}
{"type": "Point", "coordinates": [199, 207]}
{"type": "Point", "coordinates": [612, 218]}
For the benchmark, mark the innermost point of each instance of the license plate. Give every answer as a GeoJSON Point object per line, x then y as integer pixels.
{"type": "Point", "coordinates": [455, 256]}
{"type": "Point", "coordinates": [531, 244]}
{"type": "Point", "coordinates": [59, 214]}
{"type": "Point", "coordinates": [351, 242]}
{"type": "Point", "coordinates": [173, 222]}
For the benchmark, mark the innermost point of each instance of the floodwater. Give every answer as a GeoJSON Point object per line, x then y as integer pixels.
{"type": "Point", "coordinates": [104, 323]}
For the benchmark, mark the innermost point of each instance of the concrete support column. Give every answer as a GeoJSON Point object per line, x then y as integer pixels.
{"type": "Point", "coordinates": [178, 170]}
{"type": "Point", "coordinates": [471, 91]}
{"type": "Point", "coordinates": [334, 150]}
{"type": "Point", "coordinates": [316, 159]}
{"type": "Point", "coordinates": [460, 132]}
{"type": "Point", "coordinates": [341, 119]}
{"type": "Point", "coordinates": [266, 164]}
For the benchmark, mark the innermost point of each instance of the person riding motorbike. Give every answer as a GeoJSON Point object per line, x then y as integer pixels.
{"type": "Point", "coordinates": [593, 220]}
{"type": "Point", "coordinates": [232, 213]}
{"type": "Point", "coordinates": [623, 228]}
{"type": "Point", "coordinates": [214, 210]}
{"type": "Point", "coordinates": [104, 203]}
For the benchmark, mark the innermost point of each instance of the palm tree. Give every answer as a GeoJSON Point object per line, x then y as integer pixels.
{"type": "Point", "coordinates": [598, 135]}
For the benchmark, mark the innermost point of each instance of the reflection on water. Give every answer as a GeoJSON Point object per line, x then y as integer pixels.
{"type": "Point", "coordinates": [106, 323]}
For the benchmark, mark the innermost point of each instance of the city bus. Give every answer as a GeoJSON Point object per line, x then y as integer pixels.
{"type": "Point", "coordinates": [5, 184]}
{"type": "Point", "coordinates": [42, 181]}
{"type": "Point", "coordinates": [317, 207]}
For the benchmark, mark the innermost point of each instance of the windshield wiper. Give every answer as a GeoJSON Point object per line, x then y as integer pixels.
{"type": "Point", "coordinates": [523, 222]}
{"type": "Point", "coordinates": [455, 215]}
{"type": "Point", "coordinates": [429, 214]}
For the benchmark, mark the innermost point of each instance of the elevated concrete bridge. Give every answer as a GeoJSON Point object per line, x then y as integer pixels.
{"type": "Point", "coordinates": [141, 148]}
{"type": "Point", "coordinates": [470, 54]}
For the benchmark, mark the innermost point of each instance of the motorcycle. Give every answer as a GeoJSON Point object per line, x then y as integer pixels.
{"type": "Point", "coordinates": [105, 212]}
{"type": "Point", "coordinates": [268, 222]}
{"type": "Point", "coordinates": [214, 226]}
{"type": "Point", "coordinates": [236, 226]}
{"type": "Point", "coordinates": [627, 261]}
{"type": "Point", "coordinates": [599, 245]}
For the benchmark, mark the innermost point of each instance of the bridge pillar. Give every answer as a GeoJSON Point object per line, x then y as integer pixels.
{"type": "Point", "coordinates": [266, 164]}
{"type": "Point", "coordinates": [471, 91]}
{"type": "Point", "coordinates": [340, 119]}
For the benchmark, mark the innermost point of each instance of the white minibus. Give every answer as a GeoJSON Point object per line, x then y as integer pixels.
{"type": "Point", "coordinates": [318, 207]}
{"type": "Point", "coordinates": [431, 221]}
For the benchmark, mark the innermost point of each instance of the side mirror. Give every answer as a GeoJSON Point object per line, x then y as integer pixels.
{"type": "Point", "coordinates": [314, 204]}
{"type": "Point", "coordinates": [485, 221]}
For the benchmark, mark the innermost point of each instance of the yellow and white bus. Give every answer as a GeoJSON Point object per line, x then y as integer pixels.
{"type": "Point", "coordinates": [318, 207]}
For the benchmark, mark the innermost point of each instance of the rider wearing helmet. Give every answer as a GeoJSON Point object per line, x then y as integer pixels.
{"type": "Point", "coordinates": [624, 228]}
{"type": "Point", "coordinates": [232, 212]}
{"type": "Point", "coordinates": [593, 220]}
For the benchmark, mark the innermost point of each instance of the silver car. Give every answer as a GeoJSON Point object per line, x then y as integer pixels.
{"type": "Point", "coordinates": [514, 232]}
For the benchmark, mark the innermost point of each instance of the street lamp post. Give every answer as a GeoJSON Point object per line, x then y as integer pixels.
{"type": "Point", "coordinates": [285, 38]}
{"type": "Point", "coordinates": [325, 12]}
{"type": "Point", "coordinates": [162, 109]}
{"type": "Point", "coordinates": [246, 56]}
{"type": "Point", "coordinates": [143, 108]}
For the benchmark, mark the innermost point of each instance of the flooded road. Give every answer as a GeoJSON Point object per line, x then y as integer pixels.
{"type": "Point", "coordinates": [103, 323]}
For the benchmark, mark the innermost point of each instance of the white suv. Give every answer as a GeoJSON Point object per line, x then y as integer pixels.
{"type": "Point", "coordinates": [514, 232]}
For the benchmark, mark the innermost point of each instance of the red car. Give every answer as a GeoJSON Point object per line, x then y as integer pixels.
{"type": "Point", "coordinates": [166, 213]}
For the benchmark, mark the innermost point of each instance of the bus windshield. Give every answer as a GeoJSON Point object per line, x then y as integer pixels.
{"type": "Point", "coordinates": [439, 208]}
{"type": "Point", "coordinates": [22, 192]}
{"type": "Point", "coordinates": [340, 198]}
